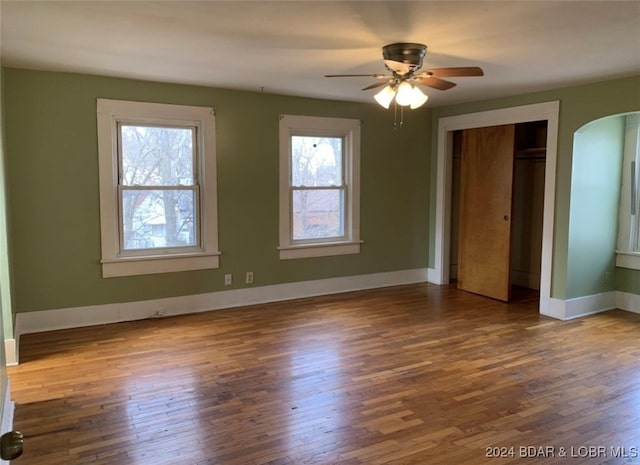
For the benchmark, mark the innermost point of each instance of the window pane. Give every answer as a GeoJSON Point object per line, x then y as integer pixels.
{"type": "Point", "coordinates": [158, 218]}
{"type": "Point", "coordinates": [318, 214]}
{"type": "Point", "coordinates": [156, 156]}
{"type": "Point", "coordinates": [316, 161]}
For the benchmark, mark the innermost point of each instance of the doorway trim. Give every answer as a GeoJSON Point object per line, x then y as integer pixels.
{"type": "Point", "coordinates": [548, 111]}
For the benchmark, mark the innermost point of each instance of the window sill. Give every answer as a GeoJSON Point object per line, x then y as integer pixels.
{"type": "Point", "coordinates": [319, 250]}
{"type": "Point", "coordinates": [154, 264]}
{"type": "Point", "coordinates": [629, 260]}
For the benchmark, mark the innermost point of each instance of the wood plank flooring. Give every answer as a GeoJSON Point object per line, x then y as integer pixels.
{"type": "Point", "coordinates": [416, 374]}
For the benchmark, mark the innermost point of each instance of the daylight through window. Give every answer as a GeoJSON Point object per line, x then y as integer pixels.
{"type": "Point", "coordinates": [157, 187]}
{"type": "Point", "coordinates": [628, 247]}
{"type": "Point", "coordinates": [319, 186]}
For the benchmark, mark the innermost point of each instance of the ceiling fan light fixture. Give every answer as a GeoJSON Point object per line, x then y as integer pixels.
{"type": "Point", "coordinates": [418, 98]}
{"type": "Point", "coordinates": [385, 96]}
{"type": "Point", "coordinates": [404, 95]}
{"type": "Point", "coordinates": [403, 60]}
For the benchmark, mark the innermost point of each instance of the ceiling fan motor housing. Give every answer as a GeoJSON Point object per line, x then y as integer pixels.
{"type": "Point", "coordinates": [409, 53]}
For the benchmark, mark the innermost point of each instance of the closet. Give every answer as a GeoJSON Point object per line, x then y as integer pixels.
{"type": "Point", "coordinates": [497, 208]}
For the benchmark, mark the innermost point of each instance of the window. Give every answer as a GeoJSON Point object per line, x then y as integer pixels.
{"type": "Point", "coordinates": [628, 249]}
{"type": "Point", "coordinates": [158, 208]}
{"type": "Point", "coordinates": [319, 186]}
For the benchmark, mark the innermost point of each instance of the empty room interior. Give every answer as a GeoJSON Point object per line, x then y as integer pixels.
{"type": "Point", "coordinates": [319, 232]}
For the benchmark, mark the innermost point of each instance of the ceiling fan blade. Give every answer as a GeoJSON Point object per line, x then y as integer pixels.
{"type": "Point", "coordinates": [375, 76]}
{"type": "Point", "coordinates": [434, 82]}
{"type": "Point", "coordinates": [463, 71]}
{"type": "Point", "coordinates": [398, 66]}
{"type": "Point", "coordinates": [376, 84]}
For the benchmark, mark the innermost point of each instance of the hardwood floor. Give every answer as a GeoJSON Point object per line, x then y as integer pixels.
{"type": "Point", "coordinates": [416, 374]}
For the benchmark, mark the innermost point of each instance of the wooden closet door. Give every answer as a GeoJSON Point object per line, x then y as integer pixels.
{"type": "Point", "coordinates": [486, 183]}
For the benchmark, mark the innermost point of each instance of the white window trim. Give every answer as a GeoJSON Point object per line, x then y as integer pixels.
{"type": "Point", "coordinates": [629, 260]}
{"type": "Point", "coordinates": [349, 129]}
{"type": "Point", "coordinates": [628, 250]}
{"type": "Point", "coordinates": [109, 113]}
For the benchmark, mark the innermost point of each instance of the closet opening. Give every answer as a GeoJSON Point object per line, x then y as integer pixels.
{"type": "Point", "coordinates": [527, 207]}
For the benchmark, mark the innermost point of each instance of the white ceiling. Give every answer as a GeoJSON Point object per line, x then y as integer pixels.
{"type": "Point", "coordinates": [286, 47]}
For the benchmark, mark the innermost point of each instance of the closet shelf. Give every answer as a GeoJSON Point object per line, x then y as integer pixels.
{"type": "Point", "coordinates": [535, 153]}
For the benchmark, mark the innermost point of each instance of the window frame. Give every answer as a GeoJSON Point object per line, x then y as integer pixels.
{"type": "Point", "coordinates": [194, 187]}
{"type": "Point", "coordinates": [628, 247]}
{"type": "Point", "coordinates": [349, 131]}
{"type": "Point", "coordinates": [342, 187]}
{"type": "Point", "coordinates": [116, 261]}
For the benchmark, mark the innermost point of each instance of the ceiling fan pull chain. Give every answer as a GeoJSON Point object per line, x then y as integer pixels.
{"type": "Point", "coordinates": [395, 115]}
{"type": "Point", "coordinates": [397, 125]}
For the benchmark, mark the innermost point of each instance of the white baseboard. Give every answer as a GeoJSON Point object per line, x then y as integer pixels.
{"type": "Point", "coordinates": [581, 306]}
{"type": "Point", "coordinates": [74, 317]}
{"type": "Point", "coordinates": [8, 407]}
{"type": "Point", "coordinates": [432, 276]}
{"type": "Point", "coordinates": [554, 308]}
{"type": "Point", "coordinates": [11, 352]}
{"type": "Point", "coordinates": [62, 318]}
{"type": "Point", "coordinates": [588, 305]}
{"type": "Point", "coordinates": [627, 301]}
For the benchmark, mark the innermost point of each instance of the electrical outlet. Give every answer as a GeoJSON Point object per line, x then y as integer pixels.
{"type": "Point", "coordinates": [228, 279]}
{"type": "Point", "coordinates": [249, 278]}
{"type": "Point", "coordinates": [607, 277]}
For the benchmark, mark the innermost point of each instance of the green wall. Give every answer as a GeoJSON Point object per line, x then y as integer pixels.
{"type": "Point", "coordinates": [628, 280]}
{"type": "Point", "coordinates": [579, 105]}
{"type": "Point", "coordinates": [53, 180]}
{"type": "Point", "coordinates": [595, 203]}
{"type": "Point", "coordinates": [52, 177]}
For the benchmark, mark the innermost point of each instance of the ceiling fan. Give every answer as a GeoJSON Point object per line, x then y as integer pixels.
{"type": "Point", "coordinates": [404, 60]}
